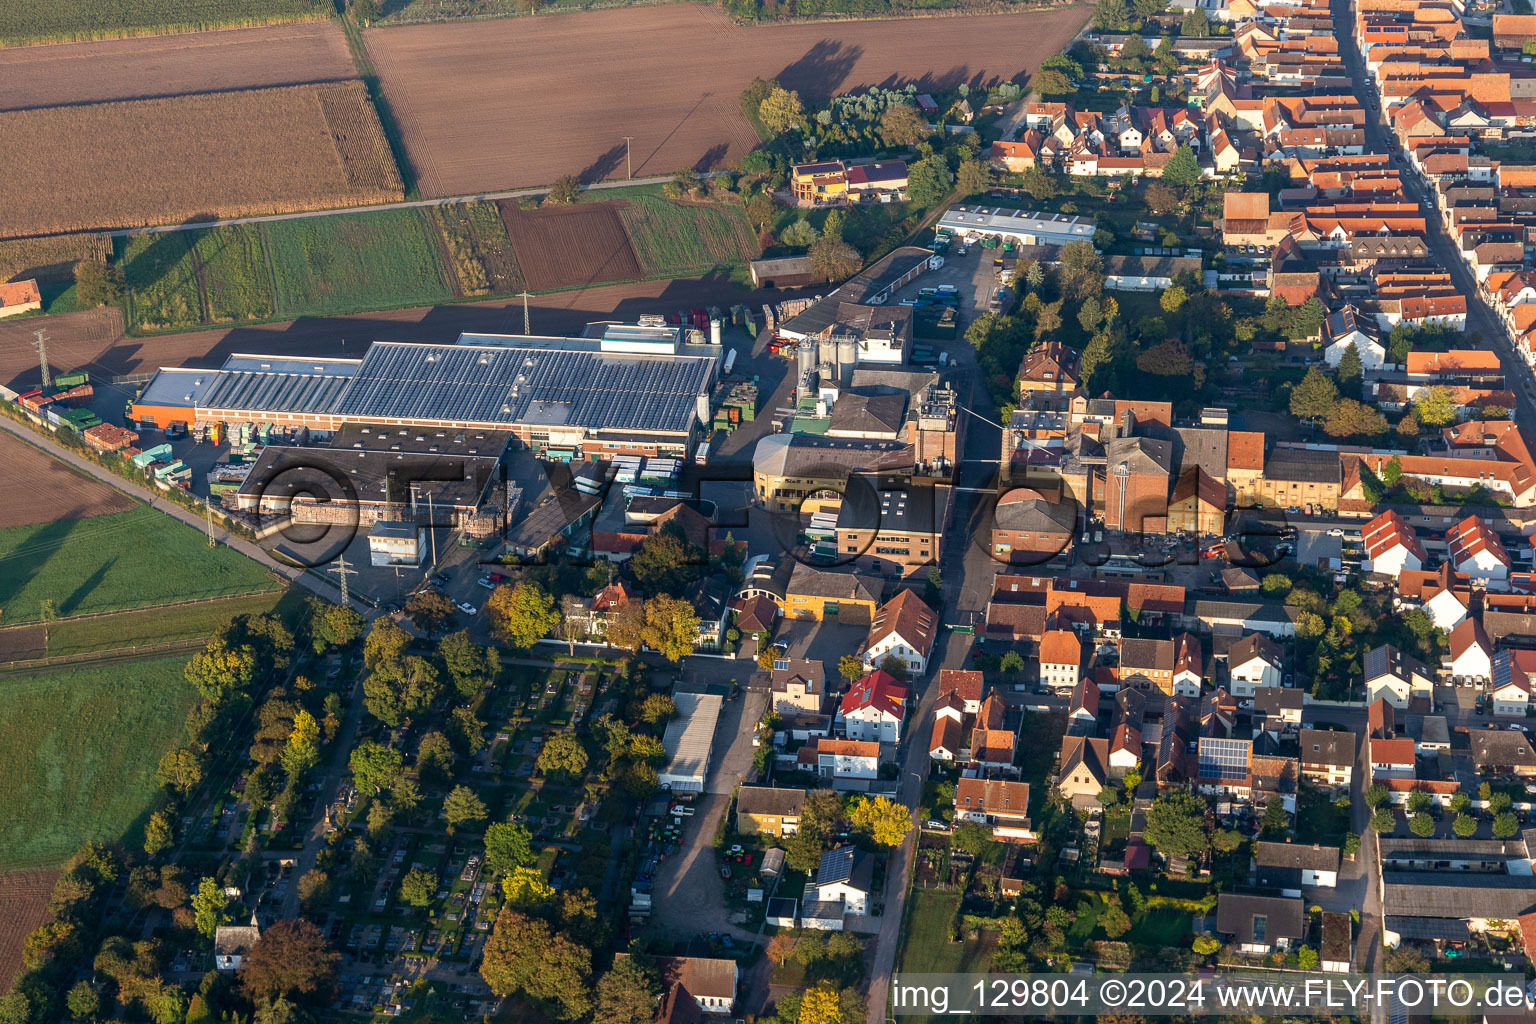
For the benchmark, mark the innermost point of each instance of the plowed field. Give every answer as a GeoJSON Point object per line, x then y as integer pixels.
{"type": "Point", "coordinates": [132, 69]}
{"type": "Point", "coordinates": [497, 104]}
{"type": "Point", "coordinates": [37, 489]}
{"type": "Point", "coordinates": [23, 908]}
{"type": "Point", "coordinates": [570, 246]}
{"type": "Point", "coordinates": [90, 341]}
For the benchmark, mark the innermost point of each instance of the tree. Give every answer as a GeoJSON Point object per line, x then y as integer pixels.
{"type": "Point", "coordinates": [1176, 824]}
{"type": "Point", "coordinates": [884, 820]}
{"type": "Point", "coordinates": [1112, 16]}
{"type": "Point", "coordinates": [1375, 795]}
{"type": "Point", "coordinates": [470, 665]}
{"type": "Point", "coordinates": [799, 233]}
{"type": "Point", "coordinates": [666, 562]}
{"type": "Point", "coordinates": [525, 887]}
{"type": "Point", "coordinates": [386, 644]}
{"type": "Point", "coordinates": [1050, 82]}
{"type": "Point", "coordinates": [627, 994]}
{"type": "Point", "coordinates": [97, 283]}
{"type": "Point", "coordinates": [1464, 826]}
{"type": "Point", "coordinates": [781, 110]}
{"type": "Point", "coordinates": [971, 837]}
{"type": "Point", "coordinates": [657, 710]}
{"type": "Point", "coordinates": [374, 767]}
{"type": "Point", "coordinates": [973, 178]}
{"type": "Point", "coordinates": [1195, 24]}
{"type": "Point", "coordinates": [1274, 822]}
{"type": "Point", "coordinates": [462, 807]}
{"type": "Point", "coordinates": [1041, 186]}
{"type": "Point", "coordinates": [1350, 418]}
{"type": "Point", "coordinates": [210, 905]}
{"type": "Point", "coordinates": [332, 625]}
{"type": "Point", "coordinates": [821, 1005]}
{"type": "Point", "coordinates": [1204, 945]}
{"type": "Point", "coordinates": [180, 770]}
{"type": "Point", "coordinates": [159, 833]}
{"type": "Point", "coordinates": [1173, 299]}
{"type": "Point", "coordinates": [1182, 169]}
{"type": "Point", "coordinates": [780, 947]}
{"type": "Point", "coordinates": [834, 258]}
{"type": "Point", "coordinates": [902, 125]}
{"type": "Point", "coordinates": [1306, 958]}
{"type": "Point", "coordinates": [929, 181]}
{"type": "Point", "coordinates": [1314, 397]}
{"type": "Point", "coordinates": [761, 211]}
{"type": "Point", "coordinates": [1160, 199]}
{"type": "Point", "coordinates": [1435, 407]}
{"type": "Point", "coordinates": [430, 610]}
{"type": "Point", "coordinates": [565, 190]}
{"type": "Point", "coordinates": [417, 887]}
{"type": "Point", "coordinates": [563, 754]}
{"type": "Point", "coordinates": [1350, 371]}
{"type": "Point", "coordinates": [1384, 821]}
{"type": "Point", "coordinates": [289, 960]}
{"type": "Point", "coordinates": [314, 889]}
{"type": "Point", "coordinates": [83, 1002]}
{"type": "Point", "coordinates": [1422, 825]}
{"type": "Point", "coordinates": [522, 615]}
{"type": "Point", "coordinates": [671, 627]}
{"type": "Point", "coordinates": [220, 671]}
{"type": "Point", "coordinates": [434, 756]}
{"type": "Point", "coordinates": [1114, 920]}
{"type": "Point", "coordinates": [1080, 272]}
{"type": "Point", "coordinates": [1505, 825]}
{"type": "Point", "coordinates": [302, 750]}
{"type": "Point", "coordinates": [524, 955]}
{"type": "Point", "coordinates": [850, 667]}
{"type": "Point", "coordinates": [508, 847]}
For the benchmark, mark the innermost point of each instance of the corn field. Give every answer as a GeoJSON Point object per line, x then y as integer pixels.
{"type": "Point", "coordinates": [49, 259]}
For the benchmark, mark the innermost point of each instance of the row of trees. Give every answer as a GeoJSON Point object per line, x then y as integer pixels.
{"type": "Point", "coordinates": [1424, 812]}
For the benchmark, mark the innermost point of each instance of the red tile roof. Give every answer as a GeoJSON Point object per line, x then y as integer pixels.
{"type": "Point", "coordinates": [878, 690]}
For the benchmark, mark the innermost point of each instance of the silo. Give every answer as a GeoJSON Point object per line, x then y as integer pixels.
{"type": "Point", "coordinates": [847, 357]}
{"type": "Point", "coordinates": [805, 357]}
{"type": "Point", "coordinates": [714, 330]}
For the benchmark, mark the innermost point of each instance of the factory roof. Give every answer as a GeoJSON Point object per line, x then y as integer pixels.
{"type": "Point", "coordinates": [283, 473]}
{"type": "Point", "coordinates": [689, 736]}
{"type": "Point", "coordinates": [915, 508]}
{"type": "Point", "coordinates": [998, 220]}
{"type": "Point", "coordinates": [804, 455]}
{"type": "Point", "coordinates": [871, 285]}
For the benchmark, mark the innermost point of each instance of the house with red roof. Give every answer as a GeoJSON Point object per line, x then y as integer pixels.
{"type": "Point", "coordinates": [1391, 546]}
{"type": "Point", "coordinates": [1002, 804]}
{"type": "Point", "coordinates": [1061, 657]}
{"type": "Point", "coordinates": [903, 628]}
{"type": "Point", "coordinates": [874, 708]}
{"type": "Point", "coordinates": [946, 743]}
{"type": "Point", "coordinates": [1470, 657]}
{"type": "Point", "coordinates": [1509, 687]}
{"type": "Point", "coordinates": [1477, 551]}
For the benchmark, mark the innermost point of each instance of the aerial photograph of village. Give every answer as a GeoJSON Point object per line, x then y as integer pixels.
{"type": "Point", "coordinates": [767, 511]}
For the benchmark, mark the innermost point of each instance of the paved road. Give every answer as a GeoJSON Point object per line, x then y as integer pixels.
{"type": "Point", "coordinates": [404, 205]}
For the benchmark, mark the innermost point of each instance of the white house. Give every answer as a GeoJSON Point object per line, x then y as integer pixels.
{"type": "Point", "coordinates": [948, 728]}
{"type": "Point", "coordinates": [1061, 655]}
{"type": "Point", "coordinates": [1471, 655]}
{"type": "Point", "coordinates": [1084, 708]}
{"type": "Point", "coordinates": [1447, 607]}
{"type": "Point", "coordinates": [1391, 758]}
{"type": "Point", "coordinates": [230, 943]}
{"type": "Point", "coordinates": [904, 627]}
{"type": "Point", "coordinates": [849, 764]}
{"type": "Point", "coordinates": [1253, 662]}
{"type": "Point", "coordinates": [711, 982]}
{"type": "Point", "coordinates": [845, 876]}
{"type": "Point", "coordinates": [1188, 666]}
{"type": "Point", "coordinates": [1509, 687]}
{"type": "Point", "coordinates": [874, 708]}
{"type": "Point", "coordinates": [1391, 546]}
{"type": "Point", "coordinates": [1348, 326]}
{"type": "Point", "coordinates": [1396, 677]}
{"type": "Point", "coordinates": [1311, 866]}
{"type": "Point", "coordinates": [1260, 924]}
{"type": "Point", "coordinates": [999, 803]}
{"type": "Point", "coordinates": [1477, 551]}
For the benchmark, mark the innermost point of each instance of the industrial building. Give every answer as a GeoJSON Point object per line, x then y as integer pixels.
{"type": "Point", "coordinates": [633, 389]}
{"type": "Point", "coordinates": [872, 286]}
{"type": "Point", "coordinates": [1025, 227]}
{"type": "Point", "coordinates": [687, 740]}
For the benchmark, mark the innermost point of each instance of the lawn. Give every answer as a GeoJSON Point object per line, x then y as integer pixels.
{"type": "Point", "coordinates": [134, 559]}
{"type": "Point", "coordinates": [1318, 820]}
{"type": "Point", "coordinates": [153, 626]}
{"type": "Point", "coordinates": [352, 262]}
{"type": "Point", "coordinates": [78, 752]}
{"type": "Point", "coordinates": [682, 239]}
{"type": "Point", "coordinates": [161, 281]}
{"type": "Point", "coordinates": [926, 948]}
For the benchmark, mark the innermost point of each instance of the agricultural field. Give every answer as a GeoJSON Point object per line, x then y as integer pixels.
{"type": "Point", "coordinates": [477, 248]}
{"type": "Point", "coordinates": [23, 908]}
{"type": "Point", "coordinates": [193, 158]}
{"type": "Point", "coordinates": [183, 623]}
{"type": "Point", "coordinates": [23, 21]}
{"type": "Point", "coordinates": [135, 559]}
{"type": "Point", "coordinates": [132, 69]}
{"type": "Point", "coordinates": [49, 259]}
{"type": "Point", "coordinates": [681, 239]}
{"type": "Point", "coordinates": [473, 121]}
{"type": "Point", "coordinates": [571, 246]}
{"type": "Point", "coordinates": [37, 488]}
{"type": "Point", "coordinates": [185, 278]}
{"type": "Point", "coordinates": [75, 341]}
{"type": "Point", "coordinates": [78, 750]}
{"type": "Point", "coordinates": [354, 262]}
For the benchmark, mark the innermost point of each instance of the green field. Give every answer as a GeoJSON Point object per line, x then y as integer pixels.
{"type": "Point", "coordinates": [134, 559]}
{"type": "Point", "coordinates": [78, 751]}
{"type": "Point", "coordinates": [161, 278]}
{"type": "Point", "coordinates": [683, 239]}
{"type": "Point", "coordinates": [352, 262]}
{"type": "Point", "coordinates": [24, 21]}
{"type": "Point", "coordinates": [478, 248]}
{"type": "Point", "coordinates": [152, 626]}
{"type": "Point", "coordinates": [235, 275]}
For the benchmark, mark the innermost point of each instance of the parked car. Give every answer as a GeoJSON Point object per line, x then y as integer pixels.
{"type": "Point", "coordinates": [1335, 532]}
{"type": "Point", "coordinates": [485, 581]}
{"type": "Point", "coordinates": [467, 608]}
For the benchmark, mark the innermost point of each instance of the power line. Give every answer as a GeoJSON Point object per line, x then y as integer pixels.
{"type": "Point", "coordinates": [41, 344]}
{"type": "Point", "coordinates": [341, 569]}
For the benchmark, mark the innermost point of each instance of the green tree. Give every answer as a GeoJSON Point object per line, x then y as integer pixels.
{"type": "Point", "coordinates": [1422, 825]}
{"type": "Point", "coordinates": [1315, 397]}
{"type": "Point", "coordinates": [314, 889]}
{"type": "Point", "coordinates": [973, 178]}
{"type": "Point", "coordinates": [524, 955]}
{"type": "Point", "coordinates": [397, 690]}
{"type": "Point", "coordinates": [462, 807]}
{"type": "Point", "coordinates": [83, 1002]}
{"type": "Point", "coordinates": [1350, 418]}
{"type": "Point", "coordinates": [1050, 83]}
{"type": "Point", "coordinates": [1274, 822]}
{"type": "Point", "coordinates": [374, 767]}
{"type": "Point", "coordinates": [565, 190]}
{"type": "Point", "coordinates": [834, 259]}
{"type": "Point", "coordinates": [417, 887]}
{"type": "Point", "coordinates": [1384, 821]}
{"type": "Point", "coordinates": [781, 110]}
{"type": "Point", "coordinates": [563, 754]}
{"type": "Point", "coordinates": [332, 625]}
{"type": "Point", "coordinates": [666, 562]}
{"type": "Point", "coordinates": [902, 125]}
{"type": "Point", "coordinates": [1195, 24]}
{"type": "Point", "coordinates": [1112, 16]}
{"type": "Point", "coordinates": [1204, 945]}
{"type": "Point", "coordinates": [1350, 372]}
{"type": "Point", "coordinates": [210, 906]}
{"type": "Point", "coordinates": [159, 833]}
{"type": "Point", "coordinates": [885, 821]}
{"type": "Point", "coordinates": [508, 847]}
{"type": "Point", "coordinates": [1173, 299]}
{"type": "Point", "coordinates": [1464, 826]}
{"type": "Point", "coordinates": [928, 181]}
{"type": "Point", "coordinates": [657, 710]}
{"type": "Point", "coordinates": [1182, 169]}
{"type": "Point", "coordinates": [97, 283]}
{"type": "Point", "coordinates": [1505, 825]}
{"type": "Point", "coordinates": [1376, 795]}
{"type": "Point", "coordinates": [386, 644]}
{"type": "Point", "coordinates": [434, 757]}
{"type": "Point", "coordinates": [180, 770]}
{"type": "Point", "coordinates": [1306, 958]}
{"type": "Point", "coordinates": [220, 671]}
{"type": "Point", "coordinates": [1114, 920]}
{"type": "Point", "coordinates": [671, 627]}
{"type": "Point", "coordinates": [1176, 824]}
{"type": "Point", "coordinates": [302, 750]}
{"type": "Point", "coordinates": [1275, 584]}
{"type": "Point", "coordinates": [971, 837]}
{"type": "Point", "coordinates": [850, 667]}
{"type": "Point", "coordinates": [1435, 407]}
{"type": "Point", "coordinates": [627, 994]}
{"type": "Point", "coordinates": [522, 615]}
{"type": "Point", "coordinates": [430, 610]}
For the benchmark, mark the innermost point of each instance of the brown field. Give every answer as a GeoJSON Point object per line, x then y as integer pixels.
{"type": "Point", "coordinates": [90, 341]}
{"type": "Point", "coordinates": [52, 258]}
{"type": "Point", "coordinates": [23, 908]}
{"type": "Point", "coordinates": [22, 643]}
{"type": "Point", "coordinates": [498, 104]}
{"type": "Point", "coordinates": [131, 69]}
{"type": "Point", "coordinates": [38, 489]}
{"type": "Point", "coordinates": [570, 246]}
{"type": "Point", "coordinates": [163, 161]}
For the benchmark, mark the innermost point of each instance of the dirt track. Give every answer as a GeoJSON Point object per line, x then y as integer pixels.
{"type": "Point", "coordinates": [124, 69]}
{"type": "Point", "coordinates": [498, 104]}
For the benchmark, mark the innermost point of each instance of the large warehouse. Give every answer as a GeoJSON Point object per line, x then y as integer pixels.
{"type": "Point", "coordinates": [687, 740]}
{"type": "Point", "coordinates": [565, 398]}
{"type": "Point", "coordinates": [1022, 226]}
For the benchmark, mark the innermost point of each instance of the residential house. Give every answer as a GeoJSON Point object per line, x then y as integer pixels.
{"type": "Point", "coordinates": [848, 764]}
{"type": "Point", "coordinates": [967, 683]}
{"type": "Point", "coordinates": [1391, 759]}
{"type": "Point", "coordinates": [1253, 662]}
{"type": "Point", "coordinates": [846, 876]}
{"type": "Point", "coordinates": [1327, 758]}
{"type": "Point", "coordinates": [1477, 551]}
{"type": "Point", "coordinates": [1291, 866]}
{"type": "Point", "coordinates": [1349, 327]}
{"type": "Point", "coordinates": [769, 811]}
{"type": "Point", "coordinates": [1391, 546]}
{"type": "Point", "coordinates": [1147, 664]}
{"type": "Point", "coordinates": [817, 593]}
{"type": "Point", "coordinates": [1279, 708]}
{"type": "Point", "coordinates": [1084, 769]}
{"type": "Point", "coordinates": [903, 628]}
{"type": "Point", "coordinates": [1061, 656]}
{"type": "Point", "coordinates": [1001, 804]}
{"type": "Point", "coordinates": [1509, 684]}
{"type": "Point", "coordinates": [824, 182]}
{"type": "Point", "coordinates": [1188, 666]}
{"type": "Point", "coordinates": [994, 739]}
{"type": "Point", "coordinates": [799, 686]}
{"type": "Point", "coordinates": [946, 743]}
{"type": "Point", "coordinates": [692, 985]}
{"type": "Point", "coordinates": [877, 182]}
{"type": "Point", "coordinates": [874, 708]}
{"type": "Point", "coordinates": [17, 297]}
{"type": "Point", "coordinates": [1051, 368]}
{"type": "Point", "coordinates": [1470, 658]}
{"type": "Point", "coordinates": [1502, 752]}
{"type": "Point", "coordinates": [1397, 677]}
{"type": "Point", "coordinates": [1296, 477]}
{"type": "Point", "coordinates": [1260, 925]}
{"type": "Point", "coordinates": [709, 597]}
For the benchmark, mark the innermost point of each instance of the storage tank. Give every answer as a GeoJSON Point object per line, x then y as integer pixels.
{"type": "Point", "coordinates": [847, 358]}
{"type": "Point", "coordinates": [714, 330]}
{"type": "Point", "coordinates": [805, 357]}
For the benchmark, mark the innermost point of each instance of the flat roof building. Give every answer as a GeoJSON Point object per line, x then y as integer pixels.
{"type": "Point", "coordinates": [687, 740]}
{"type": "Point", "coordinates": [1024, 226]}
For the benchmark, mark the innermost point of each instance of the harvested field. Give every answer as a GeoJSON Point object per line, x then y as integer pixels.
{"type": "Point", "coordinates": [472, 120]}
{"type": "Point", "coordinates": [193, 158]}
{"type": "Point", "coordinates": [570, 246]}
{"type": "Point", "coordinates": [49, 259]}
{"type": "Point", "coordinates": [89, 340]}
{"type": "Point", "coordinates": [477, 248]}
{"type": "Point", "coordinates": [36, 488]}
{"type": "Point", "coordinates": [26, 21]}
{"type": "Point", "coordinates": [22, 643]}
{"type": "Point", "coordinates": [133, 69]}
{"type": "Point", "coordinates": [23, 908]}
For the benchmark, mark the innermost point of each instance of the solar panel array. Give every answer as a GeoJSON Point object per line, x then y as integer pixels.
{"type": "Point", "coordinates": [275, 391]}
